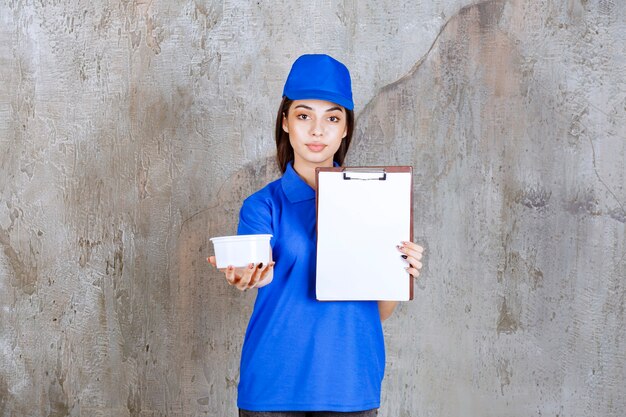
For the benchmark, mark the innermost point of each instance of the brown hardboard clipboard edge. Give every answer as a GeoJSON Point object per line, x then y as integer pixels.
{"type": "Point", "coordinates": [394, 168]}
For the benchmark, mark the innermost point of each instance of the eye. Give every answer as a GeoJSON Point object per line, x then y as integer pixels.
{"type": "Point", "coordinates": [302, 116]}
{"type": "Point", "coordinates": [333, 119]}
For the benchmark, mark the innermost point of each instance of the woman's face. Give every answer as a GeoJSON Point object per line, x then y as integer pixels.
{"type": "Point", "coordinates": [315, 128]}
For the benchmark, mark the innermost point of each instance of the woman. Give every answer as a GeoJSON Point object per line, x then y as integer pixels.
{"type": "Point", "coordinates": [302, 357]}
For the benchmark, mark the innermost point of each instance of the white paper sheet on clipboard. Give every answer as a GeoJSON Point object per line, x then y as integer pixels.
{"type": "Point", "coordinates": [362, 214]}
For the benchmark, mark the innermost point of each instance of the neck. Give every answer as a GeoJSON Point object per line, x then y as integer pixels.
{"type": "Point", "coordinates": [306, 169]}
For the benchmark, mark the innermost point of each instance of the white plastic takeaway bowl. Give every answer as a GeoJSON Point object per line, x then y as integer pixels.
{"type": "Point", "coordinates": [241, 250]}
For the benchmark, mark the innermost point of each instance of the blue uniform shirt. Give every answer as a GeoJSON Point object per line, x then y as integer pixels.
{"type": "Point", "coordinates": [300, 354]}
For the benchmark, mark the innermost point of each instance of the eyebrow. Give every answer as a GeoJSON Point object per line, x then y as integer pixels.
{"type": "Point", "coordinates": [309, 108]}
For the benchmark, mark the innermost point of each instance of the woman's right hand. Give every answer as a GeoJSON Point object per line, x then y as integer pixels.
{"type": "Point", "coordinates": [254, 276]}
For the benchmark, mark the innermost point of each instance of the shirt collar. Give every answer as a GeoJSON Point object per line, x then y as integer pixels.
{"type": "Point", "coordinates": [295, 187]}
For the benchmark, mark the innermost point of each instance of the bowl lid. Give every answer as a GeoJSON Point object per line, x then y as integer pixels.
{"type": "Point", "coordinates": [241, 238]}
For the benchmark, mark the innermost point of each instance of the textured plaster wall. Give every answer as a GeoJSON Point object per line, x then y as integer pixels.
{"type": "Point", "coordinates": [130, 132]}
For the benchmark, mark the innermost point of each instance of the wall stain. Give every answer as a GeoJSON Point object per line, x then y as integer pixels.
{"type": "Point", "coordinates": [506, 242]}
{"type": "Point", "coordinates": [606, 7]}
{"type": "Point", "coordinates": [135, 38]}
{"type": "Point", "coordinates": [533, 197]}
{"type": "Point", "coordinates": [577, 128]}
{"type": "Point", "coordinates": [117, 266]}
{"type": "Point", "coordinates": [104, 23]}
{"type": "Point", "coordinates": [517, 267]}
{"type": "Point", "coordinates": [231, 383]}
{"type": "Point", "coordinates": [142, 179]}
{"type": "Point", "coordinates": [57, 400]}
{"type": "Point", "coordinates": [490, 13]}
{"type": "Point", "coordinates": [507, 322]}
{"type": "Point", "coordinates": [154, 35]}
{"type": "Point", "coordinates": [4, 395]}
{"type": "Point", "coordinates": [619, 214]}
{"type": "Point", "coordinates": [576, 9]}
{"type": "Point", "coordinates": [25, 273]}
{"type": "Point", "coordinates": [505, 372]}
{"type": "Point", "coordinates": [584, 202]}
{"type": "Point", "coordinates": [86, 246]}
{"type": "Point", "coordinates": [208, 15]}
{"type": "Point", "coordinates": [133, 402]}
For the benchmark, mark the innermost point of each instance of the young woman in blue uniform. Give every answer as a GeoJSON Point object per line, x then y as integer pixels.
{"type": "Point", "coordinates": [302, 357]}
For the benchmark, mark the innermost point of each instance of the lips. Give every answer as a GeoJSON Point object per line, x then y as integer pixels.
{"type": "Point", "coordinates": [315, 147]}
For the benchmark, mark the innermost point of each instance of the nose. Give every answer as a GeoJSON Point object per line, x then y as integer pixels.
{"type": "Point", "coordinates": [316, 128]}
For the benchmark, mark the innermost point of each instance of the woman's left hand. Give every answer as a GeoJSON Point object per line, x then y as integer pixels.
{"type": "Point", "coordinates": [412, 252]}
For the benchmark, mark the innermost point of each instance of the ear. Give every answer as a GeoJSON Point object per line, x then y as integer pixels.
{"type": "Point", "coordinates": [345, 132]}
{"type": "Point", "coordinates": [285, 124]}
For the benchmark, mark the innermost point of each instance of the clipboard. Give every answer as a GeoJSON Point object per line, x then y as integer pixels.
{"type": "Point", "coordinates": [362, 214]}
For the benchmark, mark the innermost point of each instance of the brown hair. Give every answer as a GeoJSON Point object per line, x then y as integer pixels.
{"type": "Point", "coordinates": [284, 150]}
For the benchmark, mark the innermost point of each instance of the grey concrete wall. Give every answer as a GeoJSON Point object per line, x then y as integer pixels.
{"type": "Point", "coordinates": [130, 132]}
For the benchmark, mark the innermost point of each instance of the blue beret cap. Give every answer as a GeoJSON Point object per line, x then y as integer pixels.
{"type": "Point", "coordinates": [321, 77]}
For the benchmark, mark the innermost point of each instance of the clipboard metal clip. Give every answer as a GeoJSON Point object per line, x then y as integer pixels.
{"type": "Point", "coordinates": [365, 174]}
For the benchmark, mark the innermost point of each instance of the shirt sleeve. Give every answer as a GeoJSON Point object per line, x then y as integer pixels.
{"type": "Point", "coordinates": [255, 218]}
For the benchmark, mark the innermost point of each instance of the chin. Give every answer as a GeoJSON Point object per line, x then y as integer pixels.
{"type": "Point", "coordinates": [313, 161]}
{"type": "Point", "coordinates": [318, 159]}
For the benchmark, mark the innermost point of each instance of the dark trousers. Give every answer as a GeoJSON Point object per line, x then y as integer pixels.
{"type": "Point", "coordinates": [368, 413]}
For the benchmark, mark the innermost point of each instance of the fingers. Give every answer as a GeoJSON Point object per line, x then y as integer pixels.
{"type": "Point", "coordinates": [414, 262]}
{"type": "Point", "coordinates": [245, 276]}
{"type": "Point", "coordinates": [231, 277]}
{"type": "Point", "coordinates": [251, 278]}
{"type": "Point", "coordinates": [213, 261]}
{"type": "Point", "coordinates": [412, 253]}
{"type": "Point", "coordinates": [260, 274]}
{"type": "Point", "coordinates": [267, 270]}
{"type": "Point", "coordinates": [411, 249]}
{"type": "Point", "coordinates": [414, 272]}
{"type": "Point", "coordinates": [248, 277]}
